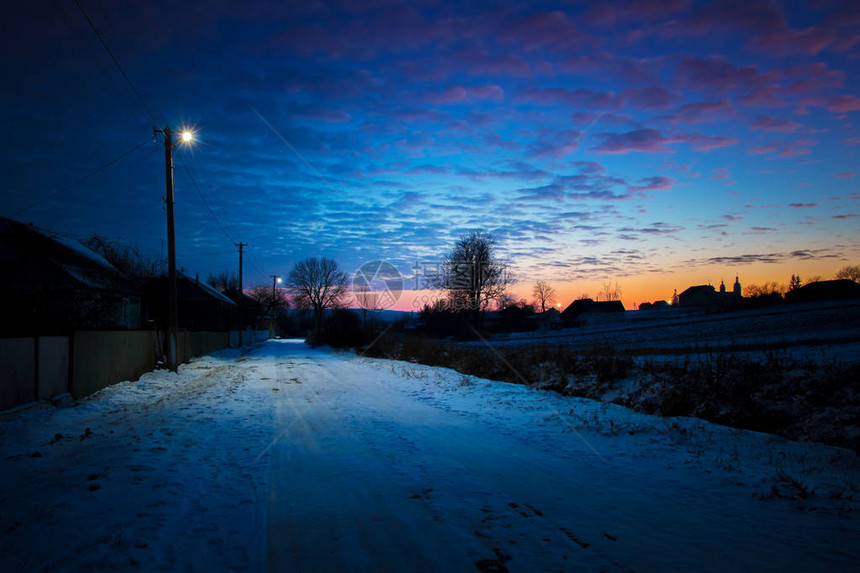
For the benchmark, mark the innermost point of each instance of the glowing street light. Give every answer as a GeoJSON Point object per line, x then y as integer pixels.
{"type": "Point", "coordinates": [187, 136]}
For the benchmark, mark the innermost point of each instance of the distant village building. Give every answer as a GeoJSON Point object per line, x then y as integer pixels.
{"type": "Point", "coordinates": [587, 312]}
{"type": "Point", "coordinates": [824, 290]}
{"type": "Point", "coordinates": [706, 297]}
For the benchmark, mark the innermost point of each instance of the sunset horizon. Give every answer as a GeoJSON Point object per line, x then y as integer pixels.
{"type": "Point", "coordinates": [658, 144]}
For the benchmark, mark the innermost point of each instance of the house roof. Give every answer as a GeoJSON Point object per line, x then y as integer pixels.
{"type": "Point", "coordinates": [588, 306]}
{"type": "Point", "coordinates": [699, 289]}
{"type": "Point", "coordinates": [208, 289]}
{"type": "Point", "coordinates": [824, 290]}
{"type": "Point", "coordinates": [35, 259]}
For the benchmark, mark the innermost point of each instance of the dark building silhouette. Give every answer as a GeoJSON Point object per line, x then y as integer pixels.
{"type": "Point", "coordinates": [824, 290]}
{"type": "Point", "coordinates": [201, 306]}
{"type": "Point", "coordinates": [51, 284]}
{"type": "Point", "coordinates": [708, 298]}
{"type": "Point", "coordinates": [587, 311]}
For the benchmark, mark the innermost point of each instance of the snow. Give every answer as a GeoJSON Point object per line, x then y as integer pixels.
{"type": "Point", "coordinates": [289, 458]}
{"type": "Point", "coordinates": [75, 246]}
{"type": "Point", "coordinates": [210, 290]}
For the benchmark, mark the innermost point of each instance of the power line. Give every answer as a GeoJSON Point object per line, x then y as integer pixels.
{"type": "Point", "coordinates": [152, 116]}
{"type": "Point", "coordinates": [205, 201]}
{"type": "Point", "coordinates": [80, 179]}
{"type": "Point", "coordinates": [116, 61]}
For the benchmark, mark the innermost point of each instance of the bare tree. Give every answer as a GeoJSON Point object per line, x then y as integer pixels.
{"type": "Point", "coordinates": [272, 301]}
{"type": "Point", "coordinates": [610, 291]}
{"type": "Point", "coordinates": [223, 281]}
{"type": "Point", "coordinates": [850, 272]}
{"type": "Point", "coordinates": [764, 289]}
{"type": "Point", "coordinates": [472, 274]}
{"type": "Point", "coordinates": [317, 284]}
{"type": "Point", "coordinates": [125, 258]}
{"type": "Point", "coordinates": [544, 295]}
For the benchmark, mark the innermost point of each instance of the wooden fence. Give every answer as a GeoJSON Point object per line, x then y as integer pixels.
{"type": "Point", "coordinates": [38, 368]}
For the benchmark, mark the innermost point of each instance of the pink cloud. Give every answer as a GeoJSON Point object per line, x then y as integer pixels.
{"type": "Point", "coordinates": [835, 104]}
{"type": "Point", "coordinates": [459, 94]}
{"type": "Point", "coordinates": [610, 15]}
{"type": "Point", "coordinates": [787, 42]}
{"type": "Point", "coordinates": [802, 205]}
{"type": "Point", "coordinates": [638, 70]}
{"type": "Point", "coordinates": [603, 118]}
{"type": "Point", "coordinates": [652, 141]}
{"type": "Point", "coordinates": [701, 112]}
{"type": "Point", "coordinates": [785, 148]}
{"type": "Point", "coordinates": [555, 143]}
{"type": "Point", "coordinates": [658, 183]}
{"type": "Point", "coordinates": [720, 16]}
{"type": "Point", "coordinates": [551, 30]}
{"type": "Point", "coordinates": [852, 141]}
{"type": "Point", "coordinates": [560, 96]}
{"type": "Point", "coordinates": [641, 140]}
{"type": "Point", "coordinates": [704, 142]}
{"type": "Point", "coordinates": [721, 173]}
{"type": "Point", "coordinates": [479, 61]}
{"type": "Point", "coordinates": [811, 78]}
{"type": "Point", "coordinates": [766, 96]}
{"type": "Point", "coordinates": [770, 123]}
{"type": "Point", "coordinates": [846, 175]}
{"type": "Point", "coordinates": [718, 74]}
{"type": "Point", "coordinates": [653, 97]}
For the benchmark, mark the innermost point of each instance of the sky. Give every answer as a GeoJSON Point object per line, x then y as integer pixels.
{"type": "Point", "coordinates": [654, 143]}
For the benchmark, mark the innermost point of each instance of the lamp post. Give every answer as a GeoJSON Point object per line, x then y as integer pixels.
{"type": "Point", "coordinates": [275, 280]}
{"type": "Point", "coordinates": [172, 306]}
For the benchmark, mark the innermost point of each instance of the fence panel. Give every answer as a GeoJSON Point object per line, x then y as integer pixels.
{"type": "Point", "coordinates": [18, 371]}
{"type": "Point", "coordinates": [53, 366]}
{"type": "Point", "coordinates": [102, 358]}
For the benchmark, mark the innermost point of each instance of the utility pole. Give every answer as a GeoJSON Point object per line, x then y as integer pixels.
{"type": "Point", "coordinates": [172, 306]}
{"type": "Point", "coordinates": [275, 280]}
{"type": "Point", "coordinates": [240, 245]}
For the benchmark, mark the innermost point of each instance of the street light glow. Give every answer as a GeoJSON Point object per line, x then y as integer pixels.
{"type": "Point", "coordinates": [187, 136]}
{"type": "Point", "coordinates": [279, 280]}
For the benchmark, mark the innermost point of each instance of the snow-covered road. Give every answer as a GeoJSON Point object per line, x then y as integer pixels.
{"type": "Point", "coordinates": [295, 459]}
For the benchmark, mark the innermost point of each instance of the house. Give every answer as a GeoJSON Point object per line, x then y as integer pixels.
{"type": "Point", "coordinates": [586, 311]}
{"type": "Point", "coordinates": [824, 290]}
{"type": "Point", "coordinates": [201, 307]}
{"type": "Point", "coordinates": [700, 296]}
{"type": "Point", "coordinates": [54, 285]}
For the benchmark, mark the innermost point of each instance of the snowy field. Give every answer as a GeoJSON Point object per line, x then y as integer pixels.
{"type": "Point", "coordinates": [294, 459]}
{"type": "Point", "coordinates": [821, 332]}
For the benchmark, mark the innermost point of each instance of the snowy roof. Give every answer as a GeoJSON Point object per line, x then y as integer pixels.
{"type": "Point", "coordinates": [209, 289]}
{"type": "Point", "coordinates": [40, 259]}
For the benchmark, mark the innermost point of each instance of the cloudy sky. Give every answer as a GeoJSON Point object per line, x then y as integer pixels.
{"type": "Point", "coordinates": [659, 143]}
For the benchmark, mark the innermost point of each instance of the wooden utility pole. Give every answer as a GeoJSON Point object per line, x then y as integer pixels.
{"type": "Point", "coordinates": [275, 279]}
{"type": "Point", "coordinates": [240, 245]}
{"type": "Point", "coordinates": [172, 306]}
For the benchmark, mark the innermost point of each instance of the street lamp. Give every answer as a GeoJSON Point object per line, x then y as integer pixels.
{"type": "Point", "coordinates": [172, 308]}
{"type": "Point", "coordinates": [276, 280]}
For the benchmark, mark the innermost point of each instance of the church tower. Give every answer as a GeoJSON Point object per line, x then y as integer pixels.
{"type": "Point", "coordinates": [737, 289]}
{"type": "Point", "coordinates": [722, 288]}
